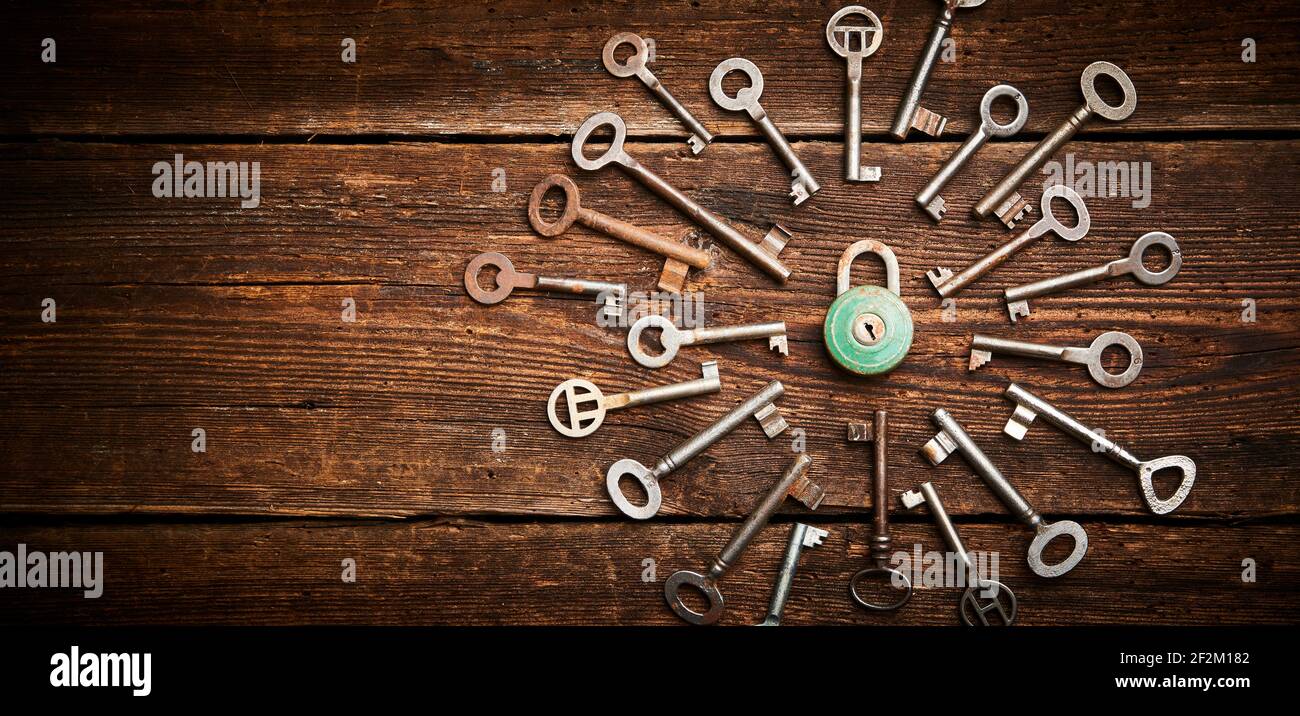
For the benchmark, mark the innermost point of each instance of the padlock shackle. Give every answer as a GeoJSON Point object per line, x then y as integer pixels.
{"type": "Point", "coordinates": [865, 246]}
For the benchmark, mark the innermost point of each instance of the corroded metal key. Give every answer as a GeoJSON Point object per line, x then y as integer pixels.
{"type": "Point", "coordinates": [802, 184]}
{"type": "Point", "coordinates": [636, 65]}
{"type": "Point", "coordinates": [911, 115]}
{"type": "Point", "coordinates": [1018, 297]}
{"type": "Point", "coordinates": [1003, 199]}
{"type": "Point", "coordinates": [946, 284]}
{"type": "Point", "coordinates": [763, 255]}
{"type": "Point", "coordinates": [1030, 406]}
{"type": "Point", "coordinates": [928, 198]}
{"type": "Point", "coordinates": [790, 483]}
{"type": "Point", "coordinates": [952, 437]}
{"type": "Point", "coordinates": [678, 256]}
{"type": "Point", "coordinates": [761, 406]}
{"type": "Point", "coordinates": [983, 596]}
{"type": "Point", "coordinates": [881, 543]}
{"type": "Point", "coordinates": [801, 536]}
{"type": "Point", "coordinates": [860, 41]}
{"type": "Point", "coordinates": [671, 338]}
{"type": "Point", "coordinates": [613, 295]}
{"type": "Point", "coordinates": [982, 349]}
{"type": "Point", "coordinates": [584, 421]}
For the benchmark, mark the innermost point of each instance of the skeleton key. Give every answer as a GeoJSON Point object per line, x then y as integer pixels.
{"type": "Point", "coordinates": [971, 608]}
{"type": "Point", "coordinates": [854, 54]}
{"type": "Point", "coordinates": [763, 255]}
{"type": "Point", "coordinates": [679, 256]}
{"type": "Point", "coordinates": [1030, 406]}
{"type": "Point", "coordinates": [636, 65]}
{"type": "Point", "coordinates": [952, 437]}
{"type": "Point", "coordinates": [789, 484]}
{"type": "Point", "coordinates": [983, 347]}
{"type": "Point", "coordinates": [877, 433]}
{"type": "Point", "coordinates": [760, 405]}
{"type": "Point", "coordinates": [671, 338]}
{"type": "Point", "coordinates": [928, 198]}
{"type": "Point", "coordinates": [577, 391]}
{"type": "Point", "coordinates": [911, 115]}
{"type": "Point", "coordinates": [613, 295]}
{"type": "Point", "coordinates": [1003, 199]}
{"type": "Point", "coordinates": [1018, 297]}
{"type": "Point", "coordinates": [947, 284]}
{"type": "Point", "coordinates": [801, 536]}
{"type": "Point", "coordinates": [802, 184]}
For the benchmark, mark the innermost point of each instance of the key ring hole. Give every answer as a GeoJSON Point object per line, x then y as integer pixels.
{"type": "Point", "coordinates": [625, 64]}
{"type": "Point", "coordinates": [1048, 206]}
{"type": "Point", "coordinates": [1118, 86]}
{"type": "Point", "coordinates": [544, 197]}
{"type": "Point", "coordinates": [988, 603]}
{"type": "Point", "coordinates": [1166, 254]}
{"type": "Point", "coordinates": [1005, 110]}
{"type": "Point", "coordinates": [745, 96]}
{"type": "Point", "coordinates": [855, 42]}
{"type": "Point", "coordinates": [1186, 471]}
{"type": "Point", "coordinates": [647, 486]}
{"type": "Point", "coordinates": [1048, 532]}
{"type": "Point", "coordinates": [497, 269]}
{"type": "Point", "coordinates": [705, 592]}
{"type": "Point", "coordinates": [891, 589]}
{"type": "Point", "coordinates": [586, 397]}
{"type": "Point", "coordinates": [1097, 365]}
{"type": "Point", "coordinates": [584, 135]}
{"type": "Point", "coordinates": [664, 333]}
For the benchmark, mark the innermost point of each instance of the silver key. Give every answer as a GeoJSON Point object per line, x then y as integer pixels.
{"type": "Point", "coordinates": [1018, 297]}
{"type": "Point", "coordinates": [982, 595]}
{"type": "Point", "coordinates": [952, 437]}
{"type": "Point", "coordinates": [928, 198]}
{"type": "Point", "coordinates": [789, 484]}
{"type": "Point", "coordinates": [1003, 199]}
{"type": "Point", "coordinates": [1030, 406]}
{"type": "Point", "coordinates": [760, 406]}
{"type": "Point", "coordinates": [983, 347]}
{"type": "Point", "coordinates": [802, 184]}
{"type": "Point", "coordinates": [801, 536]}
{"type": "Point", "coordinates": [763, 255]}
{"type": "Point", "coordinates": [868, 38]}
{"type": "Point", "coordinates": [584, 421]}
{"type": "Point", "coordinates": [671, 338]}
{"type": "Point", "coordinates": [613, 295]}
{"type": "Point", "coordinates": [911, 115]}
{"type": "Point", "coordinates": [636, 65]}
{"type": "Point", "coordinates": [947, 284]}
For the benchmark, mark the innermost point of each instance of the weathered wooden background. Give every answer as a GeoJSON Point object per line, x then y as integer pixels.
{"type": "Point", "coordinates": [373, 440]}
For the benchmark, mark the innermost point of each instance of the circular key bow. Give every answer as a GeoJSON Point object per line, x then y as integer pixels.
{"type": "Point", "coordinates": [582, 423]}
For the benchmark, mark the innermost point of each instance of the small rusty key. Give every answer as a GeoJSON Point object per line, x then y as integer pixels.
{"type": "Point", "coordinates": [613, 295]}
{"type": "Point", "coordinates": [678, 256]}
{"type": "Point", "coordinates": [636, 65]}
{"type": "Point", "coordinates": [791, 483]}
{"type": "Point", "coordinates": [877, 433]}
{"type": "Point", "coordinates": [911, 115]}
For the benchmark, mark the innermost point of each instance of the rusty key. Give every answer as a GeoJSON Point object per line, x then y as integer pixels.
{"type": "Point", "coordinates": [877, 433]}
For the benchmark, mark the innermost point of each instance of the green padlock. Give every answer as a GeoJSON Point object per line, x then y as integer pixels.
{"type": "Point", "coordinates": [868, 329]}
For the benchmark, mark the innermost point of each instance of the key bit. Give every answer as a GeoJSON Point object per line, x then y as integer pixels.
{"type": "Point", "coordinates": [938, 449]}
{"type": "Point", "coordinates": [1013, 209]}
{"type": "Point", "coordinates": [778, 343]}
{"type": "Point", "coordinates": [911, 499]}
{"type": "Point", "coordinates": [1018, 424]}
{"type": "Point", "coordinates": [673, 276]}
{"type": "Point", "coordinates": [928, 122]}
{"type": "Point", "coordinates": [810, 494]}
{"type": "Point", "coordinates": [936, 208]}
{"type": "Point", "coordinates": [775, 240]}
{"type": "Point", "coordinates": [697, 144]}
{"type": "Point", "coordinates": [1017, 309]}
{"type": "Point", "coordinates": [813, 536]}
{"type": "Point", "coordinates": [771, 420]}
{"type": "Point", "coordinates": [938, 276]}
{"type": "Point", "coordinates": [979, 358]}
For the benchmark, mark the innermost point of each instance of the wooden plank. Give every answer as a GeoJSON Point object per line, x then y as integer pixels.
{"type": "Point", "coordinates": [534, 67]}
{"type": "Point", "coordinates": [393, 414]}
{"type": "Point", "coordinates": [473, 573]}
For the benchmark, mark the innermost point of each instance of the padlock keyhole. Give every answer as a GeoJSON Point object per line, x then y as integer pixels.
{"type": "Point", "coordinates": [869, 329]}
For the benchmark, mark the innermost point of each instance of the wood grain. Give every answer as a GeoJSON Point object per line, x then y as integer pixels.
{"type": "Point", "coordinates": [533, 67]}
{"type": "Point", "coordinates": [465, 572]}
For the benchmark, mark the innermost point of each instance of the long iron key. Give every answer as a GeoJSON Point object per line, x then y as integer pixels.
{"type": "Point", "coordinates": [671, 338]}
{"type": "Point", "coordinates": [982, 596]}
{"type": "Point", "coordinates": [802, 183]}
{"type": "Point", "coordinates": [947, 284]}
{"type": "Point", "coordinates": [789, 484]}
{"type": "Point", "coordinates": [911, 115]}
{"type": "Point", "coordinates": [636, 65]}
{"type": "Point", "coordinates": [613, 295]}
{"type": "Point", "coordinates": [678, 256]}
{"type": "Point", "coordinates": [952, 437]}
{"type": "Point", "coordinates": [761, 406]}
{"type": "Point", "coordinates": [1018, 297]}
{"type": "Point", "coordinates": [877, 432]}
{"type": "Point", "coordinates": [1003, 199]}
{"type": "Point", "coordinates": [983, 347]}
{"type": "Point", "coordinates": [763, 255]}
{"type": "Point", "coordinates": [860, 41]}
{"type": "Point", "coordinates": [801, 536]}
{"type": "Point", "coordinates": [928, 198]}
{"type": "Point", "coordinates": [584, 421]}
{"type": "Point", "coordinates": [1030, 406]}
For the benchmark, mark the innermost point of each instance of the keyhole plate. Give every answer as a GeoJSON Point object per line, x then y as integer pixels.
{"type": "Point", "coordinates": [844, 324]}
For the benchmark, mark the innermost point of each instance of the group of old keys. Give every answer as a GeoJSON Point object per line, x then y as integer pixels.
{"type": "Point", "coordinates": [867, 329]}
